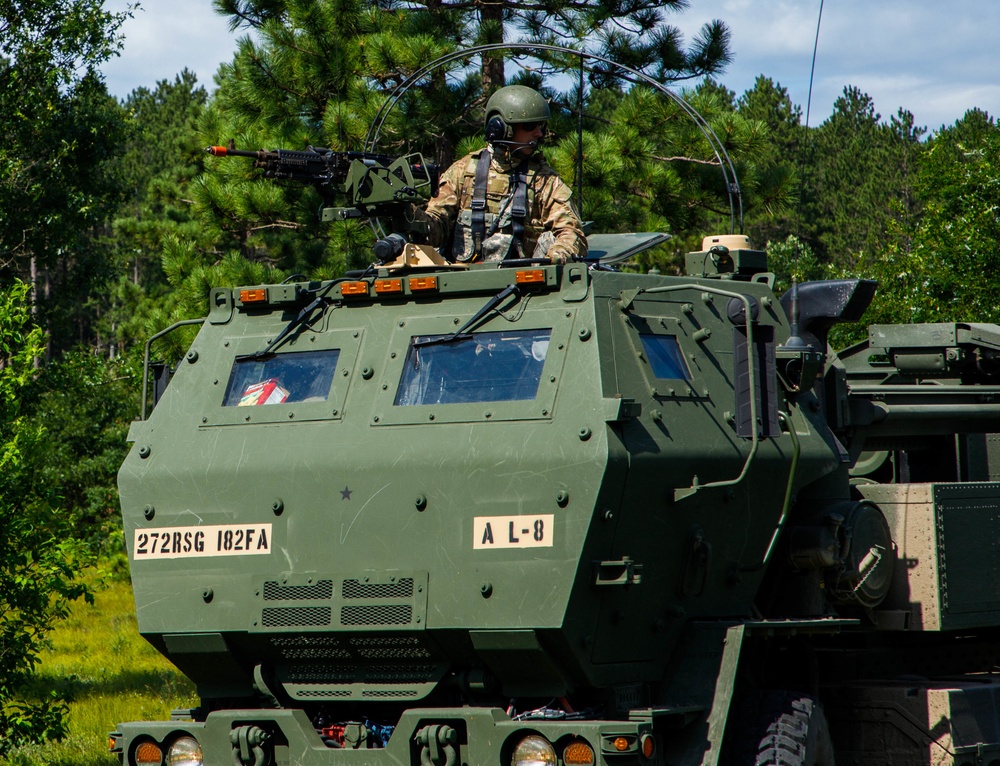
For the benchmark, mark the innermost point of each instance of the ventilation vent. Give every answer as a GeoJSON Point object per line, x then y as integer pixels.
{"type": "Point", "coordinates": [393, 652]}
{"type": "Point", "coordinates": [320, 590]}
{"type": "Point", "coordinates": [390, 614]}
{"type": "Point", "coordinates": [322, 694]}
{"type": "Point", "coordinates": [403, 588]}
{"type": "Point", "coordinates": [283, 617]}
{"type": "Point", "coordinates": [388, 693]}
{"type": "Point", "coordinates": [320, 674]}
{"type": "Point", "coordinates": [401, 674]}
{"type": "Point", "coordinates": [315, 653]}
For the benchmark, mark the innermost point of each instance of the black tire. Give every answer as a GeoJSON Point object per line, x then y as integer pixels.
{"type": "Point", "coordinates": [779, 729]}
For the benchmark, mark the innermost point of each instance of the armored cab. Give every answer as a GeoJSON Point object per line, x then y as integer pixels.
{"type": "Point", "coordinates": [561, 515]}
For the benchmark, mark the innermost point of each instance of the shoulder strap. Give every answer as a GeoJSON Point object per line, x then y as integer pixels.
{"type": "Point", "coordinates": [519, 205]}
{"type": "Point", "coordinates": [478, 223]}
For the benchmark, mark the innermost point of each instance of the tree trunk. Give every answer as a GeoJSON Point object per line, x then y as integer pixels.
{"type": "Point", "coordinates": [491, 22]}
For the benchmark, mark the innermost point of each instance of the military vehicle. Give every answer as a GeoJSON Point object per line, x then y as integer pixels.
{"type": "Point", "coordinates": [534, 514]}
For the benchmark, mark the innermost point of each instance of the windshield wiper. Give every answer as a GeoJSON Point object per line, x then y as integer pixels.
{"type": "Point", "coordinates": [267, 353]}
{"type": "Point", "coordinates": [492, 304]}
{"type": "Point", "coordinates": [321, 299]}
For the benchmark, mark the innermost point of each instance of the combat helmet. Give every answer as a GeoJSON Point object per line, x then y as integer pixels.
{"type": "Point", "coordinates": [512, 105]}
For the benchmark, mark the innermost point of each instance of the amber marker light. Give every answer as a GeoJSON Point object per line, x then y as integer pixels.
{"type": "Point", "coordinates": [578, 754]}
{"type": "Point", "coordinates": [621, 744]}
{"type": "Point", "coordinates": [148, 754]}
{"type": "Point", "coordinates": [530, 277]}
{"type": "Point", "coordinates": [257, 295]}
{"type": "Point", "coordinates": [354, 289]}
{"type": "Point", "coordinates": [422, 284]}
{"type": "Point", "coordinates": [388, 286]}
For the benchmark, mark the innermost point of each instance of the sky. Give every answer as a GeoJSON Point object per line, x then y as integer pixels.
{"type": "Point", "coordinates": [935, 59]}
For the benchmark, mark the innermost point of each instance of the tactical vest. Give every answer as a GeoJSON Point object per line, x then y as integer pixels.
{"type": "Point", "coordinates": [482, 235]}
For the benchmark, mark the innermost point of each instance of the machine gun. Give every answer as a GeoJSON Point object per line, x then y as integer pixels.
{"type": "Point", "coordinates": [373, 185]}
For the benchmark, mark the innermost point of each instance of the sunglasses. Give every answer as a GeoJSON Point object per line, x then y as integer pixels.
{"type": "Point", "coordinates": [530, 126]}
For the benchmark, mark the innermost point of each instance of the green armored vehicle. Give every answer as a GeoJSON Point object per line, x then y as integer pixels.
{"type": "Point", "coordinates": [536, 514]}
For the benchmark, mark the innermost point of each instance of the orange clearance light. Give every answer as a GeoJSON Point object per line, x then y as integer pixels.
{"type": "Point", "coordinates": [578, 754]}
{"type": "Point", "coordinates": [388, 286]}
{"type": "Point", "coordinates": [148, 753]}
{"type": "Point", "coordinates": [530, 277]}
{"type": "Point", "coordinates": [422, 283]}
{"type": "Point", "coordinates": [258, 295]}
{"type": "Point", "coordinates": [354, 288]}
{"type": "Point", "coordinates": [621, 744]}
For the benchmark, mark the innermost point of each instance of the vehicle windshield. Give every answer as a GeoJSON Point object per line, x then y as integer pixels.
{"type": "Point", "coordinates": [299, 377]}
{"type": "Point", "coordinates": [483, 367]}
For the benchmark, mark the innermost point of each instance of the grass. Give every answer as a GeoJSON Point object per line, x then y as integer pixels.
{"type": "Point", "coordinates": [108, 674]}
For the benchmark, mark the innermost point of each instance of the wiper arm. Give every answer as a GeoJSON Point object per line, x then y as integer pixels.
{"type": "Point", "coordinates": [460, 334]}
{"type": "Point", "coordinates": [298, 319]}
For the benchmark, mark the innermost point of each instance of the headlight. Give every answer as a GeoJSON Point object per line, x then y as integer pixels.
{"type": "Point", "coordinates": [534, 751]}
{"type": "Point", "coordinates": [185, 751]}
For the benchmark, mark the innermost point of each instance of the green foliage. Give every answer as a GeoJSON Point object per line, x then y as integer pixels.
{"type": "Point", "coordinates": [60, 128]}
{"type": "Point", "coordinates": [942, 267]}
{"type": "Point", "coordinates": [768, 103]}
{"type": "Point", "coordinates": [96, 660]}
{"type": "Point", "coordinates": [39, 559]}
{"type": "Point", "coordinates": [85, 404]}
{"type": "Point", "coordinates": [858, 174]}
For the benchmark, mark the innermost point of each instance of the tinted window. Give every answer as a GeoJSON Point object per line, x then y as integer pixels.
{"type": "Point", "coordinates": [485, 367]}
{"type": "Point", "coordinates": [299, 377]}
{"type": "Point", "coordinates": [665, 357]}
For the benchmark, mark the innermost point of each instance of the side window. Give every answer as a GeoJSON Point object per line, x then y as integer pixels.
{"type": "Point", "coordinates": [482, 367]}
{"type": "Point", "coordinates": [295, 377]}
{"type": "Point", "coordinates": [665, 357]}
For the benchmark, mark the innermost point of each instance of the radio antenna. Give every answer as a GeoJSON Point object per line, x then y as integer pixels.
{"type": "Point", "coordinates": [812, 71]}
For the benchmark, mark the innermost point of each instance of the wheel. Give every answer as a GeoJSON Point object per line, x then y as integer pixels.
{"type": "Point", "coordinates": [778, 729]}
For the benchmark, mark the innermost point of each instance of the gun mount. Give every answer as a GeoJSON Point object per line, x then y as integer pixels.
{"type": "Point", "coordinates": [372, 184]}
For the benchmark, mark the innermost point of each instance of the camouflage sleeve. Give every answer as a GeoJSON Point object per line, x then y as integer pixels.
{"type": "Point", "coordinates": [442, 210]}
{"type": "Point", "coordinates": [558, 215]}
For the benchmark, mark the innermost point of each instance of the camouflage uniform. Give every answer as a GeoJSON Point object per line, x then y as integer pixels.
{"type": "Point", "coordinates": [552, 226]}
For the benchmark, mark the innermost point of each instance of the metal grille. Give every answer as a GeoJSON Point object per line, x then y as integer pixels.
{"type": "Point", "coordinates": [403, 588]}
{"type": "Point", "coordinates": [310, 648]}
{"type": "Point", "coordinates": [315, 653]}
{"type": "Point", "coordinates": [282, 617]}
{"type": "Point", "coordinates": [388, 693]}
{"type": "Point", "coordinates": [389, 614]}
{"type": "Point", "coordinates": [273, 591]}
{"type": "Point", "coordinates": [394, 653]}
{"type": "Point", "coordinates": [305, 641]}
{"type": "Point", "coordinates": [300, 693]}
{"type": "Point", "coordinates": [400, 674]}
{"type": "Point", "coordinates": [321, 674]}
{"type": "Point", "coordinates": [383, 648]}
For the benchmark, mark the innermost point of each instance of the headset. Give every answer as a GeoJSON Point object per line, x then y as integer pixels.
{"type": "Point", "coordinates": [497, 130]}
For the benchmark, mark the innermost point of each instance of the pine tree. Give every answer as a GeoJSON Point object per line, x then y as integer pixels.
{"type": "Point", "coordinates": [315, 72]}
{"type": "Point", "coordinates": [858, 174]}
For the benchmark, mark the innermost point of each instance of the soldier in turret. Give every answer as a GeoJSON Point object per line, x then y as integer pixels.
{"type": "Point", "coordinates": [505, 201]}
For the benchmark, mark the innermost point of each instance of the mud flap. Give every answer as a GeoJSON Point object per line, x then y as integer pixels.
{"type": "Point", "coordinates": [704, 667]}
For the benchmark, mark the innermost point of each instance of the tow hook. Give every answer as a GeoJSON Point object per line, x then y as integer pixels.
{"type": "Point", "coordinates": [437, 745]}
{"type": "Point", "coordinates": [248, 745]}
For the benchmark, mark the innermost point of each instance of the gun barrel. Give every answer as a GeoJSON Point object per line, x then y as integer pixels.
{"type": "Point", "coordinates": [226, 151]}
